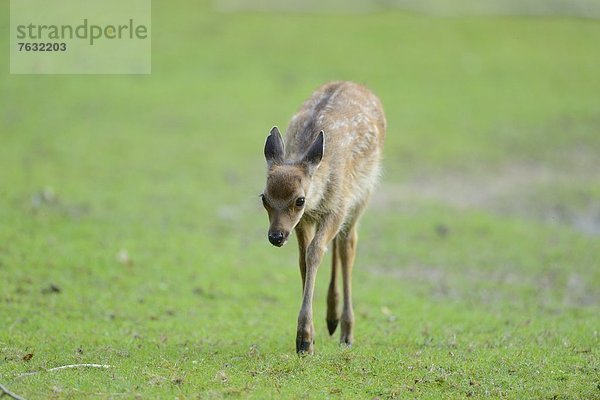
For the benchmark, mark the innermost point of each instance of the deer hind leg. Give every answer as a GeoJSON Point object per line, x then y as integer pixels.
{"type": "Point", "coordinates": [333, 294]}
{"type": "Point", "coordinates": [347, 249]}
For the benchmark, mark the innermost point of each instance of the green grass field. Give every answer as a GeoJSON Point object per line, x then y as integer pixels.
{"type": "Point", "coordinates": [131, 232]}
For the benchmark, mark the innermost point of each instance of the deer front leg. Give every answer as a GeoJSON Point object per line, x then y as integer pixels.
{"type": "Point", "coordinates": [304, 233]}
{"type": "Point", "coordinates": [326, 230]}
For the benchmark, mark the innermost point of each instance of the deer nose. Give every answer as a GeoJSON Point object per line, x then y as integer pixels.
{"type": "Point", "coordinates": [277, 238]}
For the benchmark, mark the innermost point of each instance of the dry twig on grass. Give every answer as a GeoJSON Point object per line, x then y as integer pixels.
{"type": "Point", "coordinates": [5, 392]}
{"type": "Point", "coordinates": [65, 367]}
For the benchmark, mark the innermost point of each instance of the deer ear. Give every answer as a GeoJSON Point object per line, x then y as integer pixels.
{"type": "Point", "coordinates": [315, 153]}
{"type": "Point", "coordinates": [274, 147]}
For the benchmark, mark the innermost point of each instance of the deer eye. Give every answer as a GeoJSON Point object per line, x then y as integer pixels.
{"type": "Point", "coordinates": [300, 202]}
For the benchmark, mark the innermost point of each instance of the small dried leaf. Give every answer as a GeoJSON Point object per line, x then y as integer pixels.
{"type": "Point", "coordinates": [123, 257]}
{"type": "Point", "coordinates": [27, 356]}
{"type": "Point", "coordinates": [253, 352]}
{"type": "Point", "coordinates": [221, 376]}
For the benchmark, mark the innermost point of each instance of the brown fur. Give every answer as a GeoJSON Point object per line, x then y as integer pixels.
{"type": "Point", "coordinates": [331, 158]}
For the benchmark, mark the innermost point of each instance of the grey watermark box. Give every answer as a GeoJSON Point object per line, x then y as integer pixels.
{"type": "Point", "coordinates": [80, 36]}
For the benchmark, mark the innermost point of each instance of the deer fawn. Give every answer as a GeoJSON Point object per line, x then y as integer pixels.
{"type": "Point", "coordinates": [319, 182]}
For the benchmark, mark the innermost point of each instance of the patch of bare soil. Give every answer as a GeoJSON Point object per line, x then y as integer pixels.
{"type": "Point", "coordinates": [539, 191]}
{"type": "Point", "coordinates": [551, 289]}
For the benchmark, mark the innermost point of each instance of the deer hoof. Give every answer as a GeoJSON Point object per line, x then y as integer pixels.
{"type": "Point", "coordinates": [345, 341]}
{"type": "Point", "coordinates": [332, 325]}
{"type": "Point", "coordinates": [304, 347]}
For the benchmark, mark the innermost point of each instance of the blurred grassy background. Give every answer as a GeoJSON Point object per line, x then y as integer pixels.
{"type": "Point", "coordinates": [131, 231]}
